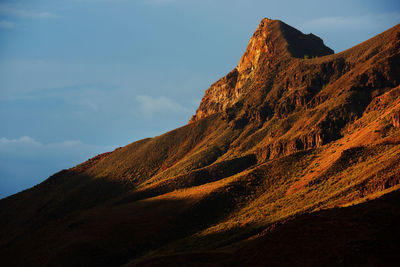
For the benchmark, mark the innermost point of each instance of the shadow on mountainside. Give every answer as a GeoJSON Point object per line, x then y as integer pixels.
{"type": "Point", "coordinates": [79, 223]}
{"type": "Point", "coordinates": [363, 235]}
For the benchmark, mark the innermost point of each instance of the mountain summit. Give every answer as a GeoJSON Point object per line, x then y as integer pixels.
{"type": "Point", "coordinates": [274, 41]}
{"type": "Point", "coordinates": [292, 159]}
{"type": "Point", "coordinates": [273, 44]}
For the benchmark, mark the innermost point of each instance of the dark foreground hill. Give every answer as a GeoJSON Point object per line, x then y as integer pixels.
{"type": "Point", "coordinates": [292, 159]}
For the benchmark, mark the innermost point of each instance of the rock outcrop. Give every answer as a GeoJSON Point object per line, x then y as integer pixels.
{"type": "Point", "coordinates": [273, 43]}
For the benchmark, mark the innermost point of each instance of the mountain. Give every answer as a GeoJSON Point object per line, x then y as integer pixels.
{"type": "Point", "coordinates": [292, 158]}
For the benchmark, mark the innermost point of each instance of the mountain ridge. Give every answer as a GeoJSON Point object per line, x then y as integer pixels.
{"type": "Point", "coordinates": [303, 135]}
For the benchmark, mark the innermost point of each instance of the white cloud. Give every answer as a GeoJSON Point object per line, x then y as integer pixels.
{"type": "Point", "coordinates": [6, 24]}
{"type": "Point", "coordinates": [153, 105]}
{"type": "Point", "coordinates": [25, 140]}
{"type": "Point", "coordinates": [27, 146]}
{"type": "Point", "coordinates": [25, 161]}
{"type": "Point", "coordinates": [25, 13]}
{"type": "Point", "coordinates": [352, 23]}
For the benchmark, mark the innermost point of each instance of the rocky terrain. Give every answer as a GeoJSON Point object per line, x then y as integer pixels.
{"type": "Point", "coordinates": [292, 158]}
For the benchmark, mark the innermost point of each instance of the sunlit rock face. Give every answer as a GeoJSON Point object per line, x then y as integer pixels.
{"type": "Point", "coordinates": [272, 45]}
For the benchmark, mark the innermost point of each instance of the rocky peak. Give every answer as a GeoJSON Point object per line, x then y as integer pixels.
{"type": "Point", "coordinates": [275, 41]}
{"type": "Point", "coordinates": [272, 44]}
{"type": "Point", "coordinates": [257, 46]}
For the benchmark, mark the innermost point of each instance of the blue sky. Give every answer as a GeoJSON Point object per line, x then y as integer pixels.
{"type": "Point", "coordinates": [81, 77]}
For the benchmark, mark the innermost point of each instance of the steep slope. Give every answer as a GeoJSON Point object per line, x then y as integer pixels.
{"type": "Point", "coordinates": [290, 137]}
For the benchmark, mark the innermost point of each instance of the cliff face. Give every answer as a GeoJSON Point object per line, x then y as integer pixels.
{"type": "Point", "coordinates": [278, 151]}
{"type": "Point", "coordinates": [273, 44]}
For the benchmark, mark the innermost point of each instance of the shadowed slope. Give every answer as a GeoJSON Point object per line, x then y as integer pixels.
{"type": "Point", "coordinates": [362, 235]}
